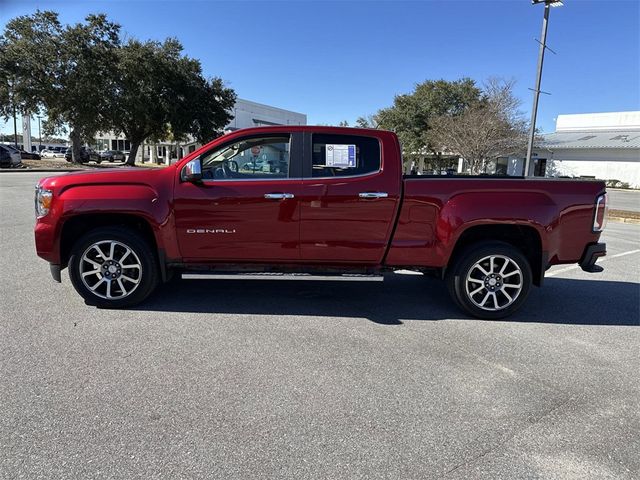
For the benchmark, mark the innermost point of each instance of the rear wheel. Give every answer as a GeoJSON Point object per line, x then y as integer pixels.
{"type": "Point", "coordinates": [490, 280]}
{"type": "Point", "coordinates": [113, 267]}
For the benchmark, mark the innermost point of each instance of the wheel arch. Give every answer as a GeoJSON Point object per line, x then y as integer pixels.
{"type": "Point", "coordinates": [78, 225]}
{"type": "Point", "coordinates": [523, 237]}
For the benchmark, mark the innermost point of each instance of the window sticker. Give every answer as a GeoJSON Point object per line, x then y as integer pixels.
{"type": "Point", "coordinates": [341, 156]}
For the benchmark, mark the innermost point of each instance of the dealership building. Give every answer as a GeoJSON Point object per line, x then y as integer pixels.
{"type": "Point", "coordinates": [593, 145]}
{"type": "Point", "coordinates": [246, 114]}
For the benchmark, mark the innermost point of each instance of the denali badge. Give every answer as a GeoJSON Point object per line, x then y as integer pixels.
{"type": "Point", "coordinates": [210, 230]}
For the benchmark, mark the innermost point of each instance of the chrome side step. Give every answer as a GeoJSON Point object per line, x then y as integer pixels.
{"type": "Point", "coordinates": [282, 276]}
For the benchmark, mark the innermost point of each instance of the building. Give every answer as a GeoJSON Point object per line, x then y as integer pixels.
{"type": "Point", "coordinates": [246, 114]}
{"type": "Point", "coordinates": [593, 145]}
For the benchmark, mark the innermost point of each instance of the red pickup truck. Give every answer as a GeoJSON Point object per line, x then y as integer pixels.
{"type": "Point", "coordinates": [317, 202]}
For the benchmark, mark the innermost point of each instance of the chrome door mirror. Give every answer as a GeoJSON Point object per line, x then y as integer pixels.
{"type": "Point", "coordinates": [192, 171]}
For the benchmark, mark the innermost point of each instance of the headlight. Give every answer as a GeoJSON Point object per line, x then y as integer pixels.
{"type": "Point", "coordinates": [43, 201]}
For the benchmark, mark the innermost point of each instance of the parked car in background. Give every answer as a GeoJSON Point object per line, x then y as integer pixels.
{"type": "Point", "coordinates": [29, 155]}
{"type": "Point", "coordinates": [86, 155]}
{"type": "Point", "coordinates": [51, 153]}
{"type": "Point", "coordinates": [9, 157]}
{"type": "Point", "coordinates": [112, 156]}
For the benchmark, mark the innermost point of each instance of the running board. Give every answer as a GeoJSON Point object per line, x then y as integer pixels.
{"type": "Point", "coordinates": [282, 276]}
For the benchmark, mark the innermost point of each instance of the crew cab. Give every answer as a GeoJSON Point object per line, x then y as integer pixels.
{"type": "Point", "coordinates": [314, 201]}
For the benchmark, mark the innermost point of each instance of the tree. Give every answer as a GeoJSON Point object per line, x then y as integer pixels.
{"type": "Point", "coordinates": [411, 114]}
{"type": "Point", "coordinates": [486, 129]}
{"type": "Point", "coordinates": [158, 91]}
{"type": "Point", "coordinates": [63, 70]}
{"type": "Point", "coordinates": [367, 121]}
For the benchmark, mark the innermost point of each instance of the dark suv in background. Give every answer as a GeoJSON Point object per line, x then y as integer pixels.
{"type": "Point", "coordinates": [112, 156]}
{"type": "Point", "coordinates": [86, 155]}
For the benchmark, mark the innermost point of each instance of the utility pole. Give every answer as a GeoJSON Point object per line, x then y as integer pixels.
{"type": "Point", "coordinates": [39, 135]}
{"type": "Point", "coordinates": [536, 91]}
{"type": "Point", "coordinates": [15, 127]}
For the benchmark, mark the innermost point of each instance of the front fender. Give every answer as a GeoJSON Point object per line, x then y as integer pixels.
{"type": "Point", "coordinates": [93, 200]}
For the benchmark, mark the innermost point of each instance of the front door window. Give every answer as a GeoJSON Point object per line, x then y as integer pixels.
{"type": "Point", "coordinates": [249, 158]}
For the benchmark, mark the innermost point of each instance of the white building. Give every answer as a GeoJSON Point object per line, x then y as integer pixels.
{"type": "Point", "coordinates": [246, 114]}
{"type": "Point", "coordinates": [251, 114]}
{"type": "Point", "coordinates": [593, 145]}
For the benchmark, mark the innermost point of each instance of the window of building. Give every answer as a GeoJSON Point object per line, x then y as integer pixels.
{"type": "Point", "coordinates": [502, 165]}
{"type": "Point", "coordinates": [344, 155]}
{"type": "Point", "coordinates": [540, 167]}
{"type": "Point", "coordinates": [249, 158]}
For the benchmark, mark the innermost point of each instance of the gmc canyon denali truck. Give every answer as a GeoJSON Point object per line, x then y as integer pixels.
{"type": "Point", "coordinates": [313, 201]}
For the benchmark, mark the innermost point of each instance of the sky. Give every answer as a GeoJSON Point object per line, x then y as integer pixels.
{"type": "Point", "coordinates": [337, 60]}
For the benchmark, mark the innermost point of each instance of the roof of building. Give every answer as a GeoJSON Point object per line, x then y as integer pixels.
{"type": "Point", "coordinates": [627, 139]}
{"type": "Point", "coordinates": [604, 121]}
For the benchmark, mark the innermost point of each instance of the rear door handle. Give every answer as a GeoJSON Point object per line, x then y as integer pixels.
{"type": "Point", "coordinates": [278, 196]}
{"type": "Point", "coordinates": [373, 194]}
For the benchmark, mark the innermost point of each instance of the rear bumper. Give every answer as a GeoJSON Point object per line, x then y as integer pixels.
{"type": "Point", "coordinates": [590, 255]}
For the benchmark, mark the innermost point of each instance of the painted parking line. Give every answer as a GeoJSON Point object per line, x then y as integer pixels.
{"type": "Point", "coordinates": [603, 259]}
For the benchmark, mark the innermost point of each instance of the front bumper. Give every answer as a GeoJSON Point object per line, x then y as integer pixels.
{"type": "Point", "coordinates": [55, 272]}
{"type": "Point", "coordinates": [590, 255]}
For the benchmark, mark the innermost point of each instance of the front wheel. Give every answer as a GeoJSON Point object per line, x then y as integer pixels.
{"type": "Point", "coordinates": [490, 280]}
{"type": "Point", "coordinates": [113, 267]}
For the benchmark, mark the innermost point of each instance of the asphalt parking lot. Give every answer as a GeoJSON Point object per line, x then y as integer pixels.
{"type": "Point", "coordinates": [625, 199]}
{"type": "Point", "coordinates": [258, 379]}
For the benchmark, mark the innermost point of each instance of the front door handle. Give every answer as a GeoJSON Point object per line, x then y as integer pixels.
{"type": "Point", "coordinates": [278, 196]}
{"type": "Point", "coordinates": [373, 194]}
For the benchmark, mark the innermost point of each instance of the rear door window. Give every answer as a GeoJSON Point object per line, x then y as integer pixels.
{"type": "Point", "coordinates": [344, 155]}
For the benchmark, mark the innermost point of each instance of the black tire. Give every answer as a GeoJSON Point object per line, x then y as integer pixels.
{"type": "Point", "coordinates": [495, 289]}
{"type": "Point", "coordinates": [148, 277]}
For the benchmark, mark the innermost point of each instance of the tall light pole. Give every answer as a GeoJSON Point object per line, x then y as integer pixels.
{"type": "Point", "coordinates": [536, 91]}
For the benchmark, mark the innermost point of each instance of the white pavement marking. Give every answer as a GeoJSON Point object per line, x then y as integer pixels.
{"type": "Point", "coordinates": [573, 267]}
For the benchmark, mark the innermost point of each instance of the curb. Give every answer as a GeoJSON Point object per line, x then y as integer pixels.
{"type": "Point", "coordinates": [60, 170]}
{"type": "Point", "coordinates": [42, 170]}
{"type": "Point", "coordinates": [634, 221]}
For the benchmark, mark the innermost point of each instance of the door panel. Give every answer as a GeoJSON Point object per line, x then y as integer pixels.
{"type": "Point", "coordinates": [233, 221]}
{"type": "Point", "coordinates": [348, 218]}
{"type": "Point", "coordinates": [247, 207]}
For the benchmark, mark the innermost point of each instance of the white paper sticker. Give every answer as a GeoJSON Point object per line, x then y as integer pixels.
{"type": "Point", "coordinates": [342, 156]}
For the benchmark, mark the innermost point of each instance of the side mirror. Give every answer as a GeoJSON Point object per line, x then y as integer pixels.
{"type": "Point", "coordinates": [192, 171]}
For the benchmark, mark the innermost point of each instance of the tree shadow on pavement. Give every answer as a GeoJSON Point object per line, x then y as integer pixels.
{"type": "Point", "coordinates": [399, 298]}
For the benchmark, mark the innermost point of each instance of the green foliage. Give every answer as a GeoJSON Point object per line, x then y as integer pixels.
{"type": "Point", "coordinates": [368, 121]}
{"type": "Point", "coordinates": [411, 114]}
{"type": "Point", "coordinates": [64, 70]}
{"type": "Point", "coordinates": [28, 55]}
{"type": "Point", "coordinates": [160, 93]}
{"type": "Point", "coordinates": [484, 130]}
{"type": "Point", "coordinates": [85, 79]}
{"type": "Point", "coordinates": [617, 184]}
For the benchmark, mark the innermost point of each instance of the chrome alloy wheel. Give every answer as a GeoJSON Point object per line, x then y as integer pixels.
{"type": "Point", "coordinates": [110, 269]}
{"type": "Point", "coordinates": [494, 282]}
